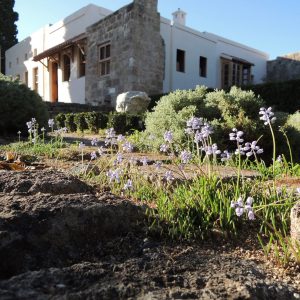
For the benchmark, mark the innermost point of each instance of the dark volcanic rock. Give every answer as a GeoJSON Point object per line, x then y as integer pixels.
{"type": "Point", "coordinates": [58, 244]}
{"type": "Point", "coordinates": [44, 181]}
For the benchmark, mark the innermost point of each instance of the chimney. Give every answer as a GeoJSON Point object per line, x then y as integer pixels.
{"type": "Point", "coordinates": [179, 17]}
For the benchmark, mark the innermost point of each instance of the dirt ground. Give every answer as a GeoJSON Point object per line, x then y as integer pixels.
{"type": "Point", "coordinates": [62, 239]}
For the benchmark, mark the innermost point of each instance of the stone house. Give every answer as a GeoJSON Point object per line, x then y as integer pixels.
{"type": "Point", "coordinates": [95, 54]}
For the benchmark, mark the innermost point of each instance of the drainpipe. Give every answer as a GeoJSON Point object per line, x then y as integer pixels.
{"type": "Point", "coordinates": [171, 57]}
{"type": "Point", "coordinates": [43, 65]}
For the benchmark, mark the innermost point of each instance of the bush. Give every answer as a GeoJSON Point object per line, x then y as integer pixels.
{"type": "Point", "coordinates": [91, 119]}
{"type": "Point", "coordinates": [79, 120]}
{"type": "Point", "coordinates": [69, 122]}
{"type": "Point", "coordinates": [102, 120]}
{"type": "Point", "coordinates": [283, 96]}
{"type": "Point", "coordinates": [60, 120]}
{"type": "Point", "coordinates": [18, 104]}
{"type": "Point", "coordinates": [117, 121]}
{"type": "Point", "coordinates": [292, 128]}
{"type": "Point", "coordinates": [172, 112]}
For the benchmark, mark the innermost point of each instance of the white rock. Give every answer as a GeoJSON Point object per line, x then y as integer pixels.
{"type": "Point", "coordinates": [132, 102]}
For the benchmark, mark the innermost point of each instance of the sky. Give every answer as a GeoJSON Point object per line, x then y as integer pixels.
{"type": "Point", "coordinates": [272, 26]}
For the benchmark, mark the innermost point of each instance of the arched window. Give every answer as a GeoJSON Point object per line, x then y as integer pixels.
{"type": "Point", "coordinates": [66, 67]}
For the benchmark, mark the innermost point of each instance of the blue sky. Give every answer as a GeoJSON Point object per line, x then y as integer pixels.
{"type": "Point", "coordinates": [272, 26]}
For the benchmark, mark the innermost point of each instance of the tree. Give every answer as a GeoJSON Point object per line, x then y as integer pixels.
{"type": "Point", "coordinates": [8, 28]}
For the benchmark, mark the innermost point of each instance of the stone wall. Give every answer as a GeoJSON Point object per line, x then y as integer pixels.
{"type": "Point", "coordinates": [284, 68]}
{"type": "Point", "coordinates": [137, 53]}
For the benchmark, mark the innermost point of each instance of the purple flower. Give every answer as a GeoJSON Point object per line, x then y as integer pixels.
{"type": "Point", "coordinates": [252, 149]}
{"type": "Point", "coordinates": [249, 201]}
{"type": "Point", "coordinates": [120, 138]}
{"type": "Point", "coordinates": [114, 175]}
{"type": "Point", "coordinates": [206, 130]}
{"type": "Point", "coordinates": [168, 136]}
{"type": "Point", "coordinates": [94, 142]}
{"type": "Point", "coordinates": [110, 133]}
{"type": "Point", "coordinates": [212, 150]}
{"type": "Point", "coordinates": [185, 156]}
{"type": "Point", "coordinates": [198, 137]}
{"type": "Point", "coordinates": [101, 151]}
{"type": "Point", "coordinates": [127, 147]}
{"type": "Point", "coordinates": [128, 185]}
{"type": "Point", "coordinates": [239, 211]}
{"type": "Point", "coordinates": [251, 215]}
{"type": "Point", "coordinates": [169, 176]}
{"type": "Point", "coordinates": [267, 115]}
{"type": "Point", "coordinates": [225, 156]}
{"type": "Point", "coordinates": [240, 208]}
{"type": "Point", "coordinates": [158, 165]}
{"type": "Point", "coordinates": [29, 125]}
{"type": "Point", "coordinates": [93, 155]}
{"type": "Point", "coordinates": [144, 161]}
{"type": "Point", "coordinates": [194, 123]}
{"type": "Point", "coordinates": [164, 148]}
{"type": "Point", "coordinates": [51, 123]}
{"type": "Point", "coordinates": [81, 145]}
{"type": "Point", "coordinates": [236, 135]}
{"type": "Point", "coordinates": [119, 158]}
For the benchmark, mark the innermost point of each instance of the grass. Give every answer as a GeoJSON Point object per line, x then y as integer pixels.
{"type": "Point", "coordinates": [192, 207]}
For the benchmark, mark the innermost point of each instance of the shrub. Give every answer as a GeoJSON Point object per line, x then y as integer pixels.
{"type": "Point", "coordinates": [18, 104]}
{"type": "Point", "coordinates": [102, 120]}
{"type": "Point", "coordinates": [69, 122]}
{"type": "Point", "coordinates": [117, 121]}
{"type": "Point", "coordinates": [292, 128]}
{"type": "Point", "coordinates": [79, 120]}
{"type": "Point", "coordinates": [135, 122]}
{"type": "Point", "coordinates": [91, 119]}
{"type": "Point", "coordinates": [225, 111]}
{"type": "Point", "coordinates": [60, 120]}
{"type": "Point", "coordinates": [283, 96]}
{"type": "Point", "coordinates": [171, 113]}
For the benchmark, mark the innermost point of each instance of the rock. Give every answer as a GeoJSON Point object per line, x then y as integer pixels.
{"type": "Point", "coordinates": [132, 102]}
{"type": "Point", "coordinates": [295, 223]}
{"type": "Point", "coordinates": [56, 244]}
{"type": "Point", "coordinates": [48, 219]}
{"type": "Point", "coordinates": [41, 181]}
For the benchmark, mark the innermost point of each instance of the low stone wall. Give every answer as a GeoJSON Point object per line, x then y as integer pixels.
{"type": "Point", "coordinates": [284, 68]}
{"type": "Point", "coordinates": [60, 107]}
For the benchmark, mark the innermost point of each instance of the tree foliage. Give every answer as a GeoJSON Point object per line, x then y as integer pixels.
{"type": "Point", "coordinates": [8, 28]}
{"type": "Point", "coordinates": [18, 104]}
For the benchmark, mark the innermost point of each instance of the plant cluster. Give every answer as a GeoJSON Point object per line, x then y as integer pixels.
{"type": "Point", "coordinates": [224, 110]}
{"type": "Point", "coordinates": [189, 199]}
{"type": "Point", "coordinates": [93, 121]}
{"type": "Point", "coordinates": [18, 104]}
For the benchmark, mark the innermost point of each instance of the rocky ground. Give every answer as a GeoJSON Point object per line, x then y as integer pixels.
{"type": "Point", "coordinates": [59, 239]}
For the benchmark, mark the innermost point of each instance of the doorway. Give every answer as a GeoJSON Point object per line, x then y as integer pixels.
{"type": "Point", "coordinates": [54, 82]}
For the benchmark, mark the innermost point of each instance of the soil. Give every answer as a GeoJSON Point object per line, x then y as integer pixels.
{"type": "Point", "coordinates": [60, 239]}
{"type": "Point", "coordinates": [63, 239]}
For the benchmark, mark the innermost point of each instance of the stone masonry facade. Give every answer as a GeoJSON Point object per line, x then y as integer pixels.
{"type": "Point", "coordinates": [136, 53]}
{"type": "Point", "coordinates": [284, 68]}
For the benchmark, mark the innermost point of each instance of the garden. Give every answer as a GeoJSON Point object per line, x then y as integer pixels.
{"type": "Point", "coordinates": [197, 198]}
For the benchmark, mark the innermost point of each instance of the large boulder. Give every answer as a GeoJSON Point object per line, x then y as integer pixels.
{"type": "Point", "coordinates": [132, 102]}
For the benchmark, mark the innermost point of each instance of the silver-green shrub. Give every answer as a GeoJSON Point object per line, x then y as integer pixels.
{"type": "Point", "coordinates": [225, 110]}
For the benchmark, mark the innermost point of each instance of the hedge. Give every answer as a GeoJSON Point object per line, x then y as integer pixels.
{"type": "Point", "coordinates": [282, 96]}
